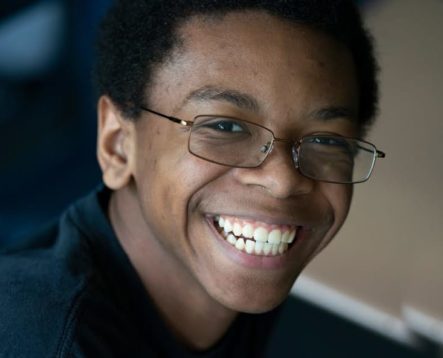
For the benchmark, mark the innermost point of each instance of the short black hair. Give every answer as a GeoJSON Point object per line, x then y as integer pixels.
{"type": "Point", "coordinates": [137, 35]}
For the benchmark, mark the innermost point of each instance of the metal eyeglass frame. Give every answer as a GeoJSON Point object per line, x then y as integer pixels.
{"type": "Point", "coordinates": [267, 148]}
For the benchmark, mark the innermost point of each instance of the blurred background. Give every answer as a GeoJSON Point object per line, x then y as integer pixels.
{"type": "Point", "coordinates": [47, 116]}
{"type": "Point", "coordinates": [377, 289]}
{"type": "Point", "coordinates": [385, 268]}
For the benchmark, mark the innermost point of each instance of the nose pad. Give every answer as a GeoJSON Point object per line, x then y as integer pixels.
{"type": "Point", "coordinates": [294, 153]}
{"type": "Point", "coordinates": [276, 175]}
{"type": "Point", "coordinates": [266, 148]}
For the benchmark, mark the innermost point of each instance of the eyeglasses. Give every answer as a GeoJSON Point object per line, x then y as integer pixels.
{"type": "Point", "coordinates": [238, 143]}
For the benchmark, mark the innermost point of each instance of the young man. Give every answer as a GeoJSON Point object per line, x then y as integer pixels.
{"type": "Point", "coordinates": [226, 142]}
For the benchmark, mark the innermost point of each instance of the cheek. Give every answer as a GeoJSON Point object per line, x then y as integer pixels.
{"type": "Point", "coordinates": [339, 197]}
{"type": "Point", "coordinates": [170, 178]}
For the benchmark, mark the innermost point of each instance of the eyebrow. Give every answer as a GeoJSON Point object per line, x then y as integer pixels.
{"type": "Point", "coordinates": [213, 93]}
{"type": "Point", "coordinates": [331, 113]}
{"type": "Point", "coordinates": [245, 101]}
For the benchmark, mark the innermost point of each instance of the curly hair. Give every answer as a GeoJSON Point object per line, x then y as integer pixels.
{"type": "Point", "coordinates": [137, 35]}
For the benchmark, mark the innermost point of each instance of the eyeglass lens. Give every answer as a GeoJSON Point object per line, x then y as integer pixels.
{"type": "Point", "coordinates": [238, 143]}
{"type": "Point", "coordinates": [229, 141]}
{"type": "Point", "coordinates": [336, 159]}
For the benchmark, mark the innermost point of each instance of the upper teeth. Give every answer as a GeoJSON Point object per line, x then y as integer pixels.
{"type": "Point", "coordinates": [274, 235]}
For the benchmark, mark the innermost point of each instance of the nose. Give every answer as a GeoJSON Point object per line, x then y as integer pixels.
{"type": "Point", "coordinates": [278, 174]}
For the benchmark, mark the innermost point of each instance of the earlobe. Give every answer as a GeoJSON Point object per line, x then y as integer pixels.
{"type": "Point", "coordinates": [113, 144]}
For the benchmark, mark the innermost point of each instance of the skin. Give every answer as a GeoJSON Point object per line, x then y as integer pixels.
{"type": "Point", "coordinates": [163, 195]}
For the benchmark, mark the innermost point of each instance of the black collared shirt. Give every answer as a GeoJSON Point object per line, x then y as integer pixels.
{"type": "Point", "coordinates": [71, 291]}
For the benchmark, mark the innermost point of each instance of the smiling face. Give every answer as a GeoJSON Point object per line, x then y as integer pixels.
{"type": "Point", "coordinates": [253, 66]}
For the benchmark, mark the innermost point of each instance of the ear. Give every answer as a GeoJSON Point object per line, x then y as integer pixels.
{"type": "Point", "coordinates": [114, 144]}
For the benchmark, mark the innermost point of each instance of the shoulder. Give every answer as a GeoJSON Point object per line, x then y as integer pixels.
{"type": "Point", "coordinates": [41, 287]}
{"type": "Point", "coordinates": [104, 328]}
{"type": "Point", "coordinates": [69, 291]}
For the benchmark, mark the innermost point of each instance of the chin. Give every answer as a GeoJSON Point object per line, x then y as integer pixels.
{"type": "Point", "coordinates": [259, 306]}
{"type": "Point", "coordinates": [256, 299]}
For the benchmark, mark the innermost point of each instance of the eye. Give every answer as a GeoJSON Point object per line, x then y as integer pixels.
{"type": "Point", "coordinates": [226, 125]}
{"type": "Point", "coordinates": [329, 141]}
{"type": "Point", "coordinates": [332, 143]}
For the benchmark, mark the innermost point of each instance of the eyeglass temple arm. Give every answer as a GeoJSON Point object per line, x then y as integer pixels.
{"type": "Point", "coordinates": [173, 119]}
{"type": "Point", "coordinates": [379, 153]}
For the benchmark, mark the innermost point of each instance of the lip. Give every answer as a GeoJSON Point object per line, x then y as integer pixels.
{"type": "Point", "coordinates": [261, 217]}
{"type": "Point", "coordinates": [255, 261]}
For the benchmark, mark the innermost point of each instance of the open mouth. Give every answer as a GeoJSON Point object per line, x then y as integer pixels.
{"type": "Point", "coordinates": [256, 238]}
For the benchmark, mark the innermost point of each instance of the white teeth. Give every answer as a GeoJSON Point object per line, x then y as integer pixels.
{"type": "Point", "coordinates": [258, 247]}
{"type": "Point", "coordinates": [274, 237]}
{"type": "Point", "coordinates": [285, 236]}
{"type": "Point", "coordinates": [275, 249]}
{"type": "Point", "coordinates": [237, 229]}
{"type": "Point", "coordinates": [261, 234]}
{"type": "Point", "coordinates": [231, 239]}
{"type": "Point", "coordinates": [248, 231]}
{"type": "Point", "coordinates": [291, 236]}
{"type": "Point", "coordinates": [240, 244]}
{"type": "Point", "coordinates": [267, 248]}
{"type": "Point", "coordinates": [266, 242]}
{"type": "Point", "coordinates": [250, 245]}
{"type": "Point", "coordinates": [282, 248]}
{"type": "Point", "coordinates": [228, 226]}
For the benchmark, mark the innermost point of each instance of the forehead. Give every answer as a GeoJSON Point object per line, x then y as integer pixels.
{"type": "Point", "coordinates": [277, 63]}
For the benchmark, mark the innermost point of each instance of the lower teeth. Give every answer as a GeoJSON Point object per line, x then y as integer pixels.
{"type": "Point", "coordinates": [254, 247]}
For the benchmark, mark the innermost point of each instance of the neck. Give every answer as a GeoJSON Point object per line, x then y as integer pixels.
{"type": "Point", "coordinates": [195, 318]}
